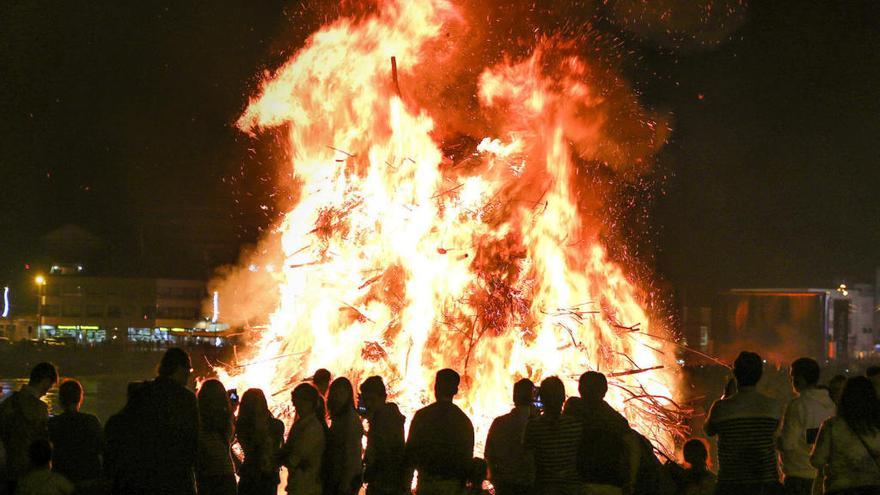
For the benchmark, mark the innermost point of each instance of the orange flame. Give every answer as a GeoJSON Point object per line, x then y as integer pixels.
{"type": "Point", "coordinates": [399, 260]}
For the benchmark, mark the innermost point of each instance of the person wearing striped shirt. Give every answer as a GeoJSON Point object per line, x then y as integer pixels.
{"type": "Point", "coordinates": [553, 441]}
{"type": "Point", "coordinates": [746, 425]}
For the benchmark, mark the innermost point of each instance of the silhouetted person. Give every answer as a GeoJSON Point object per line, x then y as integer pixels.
{"type": "Point", "coordinates": [321, 379]}
{"type": "Point", "coordinates": [574, 407]}
{"type": "Point", "coordinates": [800, 425]}
{"type": "Point", "coordinates": [746, 423]}
{"type": "Point", "coordinates": [848, 446]}
{"type": "Point", "coordinates": [77, 438]}
{"type": "Point", "coordinates": [479, 474]}
{"type": "Point", "coordinates": [873, 374]}
{"type": "Point", "coordinates": [303, 452]}
{"type": "Point", "coordinates": [608, 457]}
{"type": "Point", "coordinates": [509, 463]}
{"type": "Point", "coordinates": [164, 430]}
{"type": "Point", "coordinates": [697, 479]}
{"type": "Point", "coordinates": [215, 472]}
{"type": "Point", "coordinates": [260, 435]}
{"type": "Point", "coordinates": [553, 440]}
{"type": "Point", "coordinates": [835, 387]}
{"type": "Point", "coordinates": [40, 479]}
{"type": "Point", "coordinates": [24, 418]}
{"type": "Point", "coordinates": [440, 445]}
{"type": "Point", "coordinates": [383, 458]}
{"type": "Point", "coordinates": [344, 445]}
{"type": "Point", "coordinates": [119, 439]}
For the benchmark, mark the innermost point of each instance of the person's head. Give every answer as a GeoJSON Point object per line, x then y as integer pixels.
{"type": "Point", "coordinates": [44, 376]}
{"type": "Point", "coordinates": [373, 392]}
{"type": "Point", "coordinates": [858, 405]}
{"type": "Point", "coordinates": [478, 472]}
{"type": "Point", "coordinates": [592, 386]}
{"type": "Point", "coordinates": [446, 385]}
{"type": "Point", "coordinates": [552, 393]}
{"type": "Point", "coordinates": [574, 407]}
{"type": "Point", "coordinates": [305, 398]}
{"type": "Point", "coordinates": [176, 365]}
{"type": "Point", "coordinates": [696, 454]}
{"type": "Point", "coordinates": [748, 369]}
{"type": "Point", "coordinates": [214, 408]}
{"type": "Point", "coordinates": [321, 379]}
{"type": "Point", "coordinates": [340, 397]}
{"type": "Point", "coordinates": [70, 395]}
{"type": "Point", "coordinates": [523, 392]}
{"type": "Point", "coordinates": [40, 454]}
{"type": "Point", "coordinates": [804, 373]}
{"type": "Point", "coordinates": [835, 387]}
{"type": "Point", "coordinates": [253, 412]}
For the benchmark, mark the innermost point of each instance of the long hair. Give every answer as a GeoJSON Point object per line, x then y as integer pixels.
{"type": "Point", "coordinates": [858, 406]}
{"type": "Point", "coordinates": [253, 414]}
{"type": "Point", "coordinates": [340, 387]}
{"type": "Point", "coordinates": [215, 411]}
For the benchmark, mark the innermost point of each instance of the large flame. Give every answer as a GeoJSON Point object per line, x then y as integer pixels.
{"type": "Point", "coordinates": [401, 259]}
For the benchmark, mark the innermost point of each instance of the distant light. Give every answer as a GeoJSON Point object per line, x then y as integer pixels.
{"type": "Point", "coordinates": [252, 267]}
{"type": "Point", "coordinates": [40, 280]}
{"type": "Point", "coordinates": [5, 302]}
{"type": "Point", "coordinates": [216, 313]}
{"type": "Point", "coordinates": [270, 268]}
{"type": "Point", "coordinates": [79, 268]}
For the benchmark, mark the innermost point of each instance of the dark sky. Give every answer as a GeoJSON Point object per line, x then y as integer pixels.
{"type": "Point", "coordinates": [110, 110]}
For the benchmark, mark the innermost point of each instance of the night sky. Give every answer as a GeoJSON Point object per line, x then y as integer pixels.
{"type": "Point", "coordinates": [110, 110]}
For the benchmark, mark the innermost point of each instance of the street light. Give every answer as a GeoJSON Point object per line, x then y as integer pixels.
{"type": "Point", "coordinates": [41, 282]}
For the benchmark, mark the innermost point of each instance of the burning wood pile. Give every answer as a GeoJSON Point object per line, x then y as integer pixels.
{"type": "Point", "coordinates": [416, 246]}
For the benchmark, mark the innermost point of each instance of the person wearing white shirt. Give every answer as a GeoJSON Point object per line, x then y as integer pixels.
{"type": "Point", "coordinates": [800, 426]}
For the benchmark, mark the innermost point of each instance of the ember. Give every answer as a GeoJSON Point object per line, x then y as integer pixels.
{"type": "Point", "coordinates": [416, 248]}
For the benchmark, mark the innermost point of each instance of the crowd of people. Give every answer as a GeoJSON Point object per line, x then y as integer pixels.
{"type": "Point", "coordinates": [167, 440]}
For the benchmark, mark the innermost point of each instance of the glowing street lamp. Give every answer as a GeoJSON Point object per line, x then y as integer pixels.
{"type": "Point", "coordinates": [41, 282]}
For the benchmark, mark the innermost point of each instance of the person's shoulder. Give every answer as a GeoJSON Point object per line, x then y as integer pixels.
{"type": "Point", "coordinates": [771, 405]}
{"type": "Point", "coordinates": [276, 424]}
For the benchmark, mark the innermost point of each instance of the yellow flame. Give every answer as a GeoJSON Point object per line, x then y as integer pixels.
{"type": "Point", "coordinates": [398, 262]}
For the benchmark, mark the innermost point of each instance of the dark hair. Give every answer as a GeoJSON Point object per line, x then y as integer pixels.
{"type": "Point", "coordinates": [574, 406]}
{"type": "Point", "coordinates": [173, 359]}
{"type": "Point", "coordinates": [872, 371]}
{"type": "Point", "coordinates": [253, 414]}
{"type": "Point", "coordinates": [446, 382]}
{"type": "Point", "coordinates": [552, 392]}
{"type": "Point", "coordinates": [321, 377]}
{"type": "Point", "coordinates": [215, 411]}
{"type": "Point", "coordinates": [374, 385]}
{"type": "Point", "coordinates": [858, 405]}
{"type": "Point", "coordinates": [695, 452]}
{"type": "Point", "coordinates": [592, 385]}
{"type": "Point", "coordinates": [70, 393]}
{"type": "Point", "coordinates": [479, 469]}
{"type": "Point", "coordinates": [338, 410]}
{"type": "Point", "coordinates": [44, 371]}
{"type": "Point", "coordinates": [308, 392]}
{"type": "Point", "coordinates": [806, 368]}
{"type": "Point", "coordinates": [40, 452]}
{"type": "Point", "coordinates": [523, 392]}
{"type": "Point", "coordinates": [748, 369]}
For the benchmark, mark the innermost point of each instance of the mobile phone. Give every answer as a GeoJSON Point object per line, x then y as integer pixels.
{"type": "Point", "coordinates": [361, 406]}
{"type": "Point", "coordinates": [537, 403]}
{"type": "Point", "coordinates": [233, 396]}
